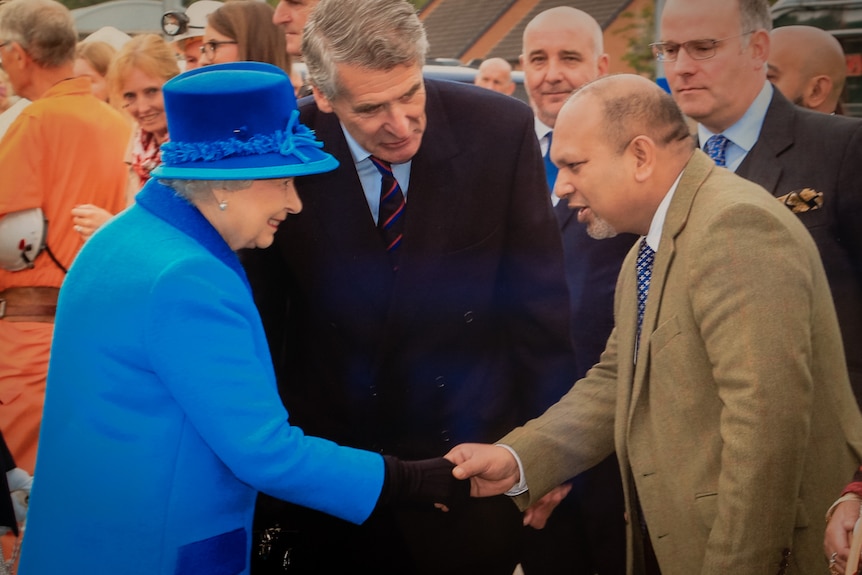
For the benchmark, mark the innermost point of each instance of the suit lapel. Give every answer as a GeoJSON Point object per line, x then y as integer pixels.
{"type": "Point", "coordinates": [776, 136]}
{"type": "Point", "coordinates": [340, 200]}
{"type": "Point", "coordinates": [434, 189]}
{"type": "Point", "coordinates": [695, 172]}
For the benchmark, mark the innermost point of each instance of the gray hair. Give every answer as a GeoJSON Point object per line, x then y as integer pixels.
{"type": "Point", "coordinates": [754, 15]}
{"type": "Point", "coordinates": [196, 190]}
{"type": "Point", "coordinates": [45, 29]}
{"type": "Point", "coordinates": [372, 34]}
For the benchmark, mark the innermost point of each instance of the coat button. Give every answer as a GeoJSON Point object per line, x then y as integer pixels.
{"type": "Point", "coordinates": [468, 317]}
{"type": "Point", "coordinates": [440, 382]}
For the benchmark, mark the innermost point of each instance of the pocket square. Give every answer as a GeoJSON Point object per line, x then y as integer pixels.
{"type": "Point", "coordinates": [803, 200]}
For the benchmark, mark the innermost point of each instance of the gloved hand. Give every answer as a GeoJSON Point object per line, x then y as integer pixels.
{"type": "Point", "coordinates": [424, 482]}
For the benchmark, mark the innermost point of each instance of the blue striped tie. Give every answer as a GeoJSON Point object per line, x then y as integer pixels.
{"type": "Point", "coordinates": [390, 218]}
{"type": "Point", "coordinates": [550, 169]}
{"type": "Point", "coordinates": [716, 148]}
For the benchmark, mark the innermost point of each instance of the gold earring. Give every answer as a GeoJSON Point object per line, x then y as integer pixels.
{"type": "Point", "coordinates": [222, 205]}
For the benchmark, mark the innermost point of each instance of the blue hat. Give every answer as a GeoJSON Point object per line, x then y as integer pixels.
{"type": "Point", "coordinates": [237, 121]}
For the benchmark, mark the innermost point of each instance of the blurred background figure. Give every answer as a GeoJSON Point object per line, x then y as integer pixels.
{"type": "Point", "coordinates": [496, 74]}
{"type": "Point", "coordinates": [290, 16]}
{"type": "Point", "coordinates": [807, 65]}
{"type": "Point", "coordinates": [94, 54]}
{"type": "Point", "coordinates": [136, 77]}
{"type": "Point", "coordinates": [243, 30]}
{"type": "Point", "coordinates": [92, 60]}
{"type": "Point", "coordinates": [187, 30]}
{"type": "Point", "coordinates": [135, 80]}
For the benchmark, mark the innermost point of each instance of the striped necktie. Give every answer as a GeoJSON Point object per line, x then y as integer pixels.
{"type": "Point", "coordinates": [716, 148]}
{"type": "Point", "coordinates": [390, 218]}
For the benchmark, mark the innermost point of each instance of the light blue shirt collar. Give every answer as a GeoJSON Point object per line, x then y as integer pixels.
{"type": "Point", "coordinates": [369, 177]}
{"type": "Point", "coordinates": [744, 133]}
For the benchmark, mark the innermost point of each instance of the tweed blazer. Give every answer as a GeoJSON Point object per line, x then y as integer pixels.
{"type": "Point", "coordinates": [737, 427]}
{"type": "Point", "coordinates": [799, 149]}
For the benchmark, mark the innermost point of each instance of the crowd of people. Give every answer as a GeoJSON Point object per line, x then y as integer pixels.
{"type": "Point", "coordinates": [407, 325]}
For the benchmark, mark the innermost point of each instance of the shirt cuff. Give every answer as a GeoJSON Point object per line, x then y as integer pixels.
{"type": "Point", "coordinates": [521, 486]}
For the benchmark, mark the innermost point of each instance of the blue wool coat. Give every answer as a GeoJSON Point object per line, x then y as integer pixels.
{"type": "Point", "coordinates": [162, 420]}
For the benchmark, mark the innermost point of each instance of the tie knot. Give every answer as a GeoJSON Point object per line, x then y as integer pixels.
{"type": "Point", "coordinates": [646, 255]}
{"type": "Point", "coordinates": [384, 167]}
{"type": "Point", "coordinates": [716, 147]}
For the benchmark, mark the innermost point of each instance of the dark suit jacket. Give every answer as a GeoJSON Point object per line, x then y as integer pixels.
{"type": "Point", "coordinates": [592, 267]}
{"type": "Point", "coordinates": [800, 149]}
{"type": "Point", "coordinates": [461, 343]}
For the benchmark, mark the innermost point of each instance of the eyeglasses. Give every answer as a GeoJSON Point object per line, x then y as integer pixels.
{"type": "Point", "coordinates": [209, 48]}
{"type": "Point", "coordinates": [696, 49]}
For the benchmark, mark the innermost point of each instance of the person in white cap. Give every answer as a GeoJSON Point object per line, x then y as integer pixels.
{"type": "Point", "coordinates": [187, 30]}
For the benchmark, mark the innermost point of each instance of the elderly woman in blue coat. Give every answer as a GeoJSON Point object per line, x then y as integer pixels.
{"type": "Point", "coordinates": [162, 420]}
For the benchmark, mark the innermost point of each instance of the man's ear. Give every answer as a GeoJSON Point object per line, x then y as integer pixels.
{"type": "Point", "coordinates": [759, 46]}
{"type": "Point", "coordinates": [604, 65]}
{"type": "Point", "coordinates": [15, 55]}
{"type": "Point", "coordinates": [816, 91]}
{"type": "Point", "coordinates": [642, 152]}
{"type": "Point", "coordinates": [323, 103]}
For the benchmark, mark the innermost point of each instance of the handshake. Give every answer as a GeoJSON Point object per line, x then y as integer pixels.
{"type": "Point", "coordinates": [468, 470]}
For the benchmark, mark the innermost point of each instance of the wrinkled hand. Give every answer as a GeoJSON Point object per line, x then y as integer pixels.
{"type": "Point", "coordinates": [88, 218]}
{"type": "Point", "coordinates": [537, 514]}
{"type": "Point", "coordinates": [839, 533]}
{"type": "Point", "coordinates": [492, 470]}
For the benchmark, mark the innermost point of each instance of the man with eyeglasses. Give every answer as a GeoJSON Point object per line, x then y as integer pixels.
{"type": "Point", "coordinates": [65, 149]}
{"type": "Point", "coordinates": [715, 58]}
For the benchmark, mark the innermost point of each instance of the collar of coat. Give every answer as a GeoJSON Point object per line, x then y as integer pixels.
{"type": "Point", "coordinates": [164, 203]}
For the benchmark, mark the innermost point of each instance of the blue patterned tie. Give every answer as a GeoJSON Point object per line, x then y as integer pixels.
{"type": "Point", "coordinates": [390, 218]}
{"type": "Point", "coordinates": [550, 168]}
{"type": "Point", "coordinates": [646, 256]}
{"type": "Point", "coordinates": [716, 147]}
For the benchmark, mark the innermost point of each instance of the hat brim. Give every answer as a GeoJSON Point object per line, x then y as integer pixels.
{"type": "Point", "coordinates": [222, 170]}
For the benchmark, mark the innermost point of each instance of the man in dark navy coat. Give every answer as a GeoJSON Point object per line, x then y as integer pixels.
{"type": "Point", "coordinates": [410, 328]}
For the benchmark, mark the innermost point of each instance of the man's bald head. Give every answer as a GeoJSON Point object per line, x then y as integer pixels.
{"type": "Point", "coordinates": [807, 65]}
{"type": "Point", "coordinates": [496, 74]}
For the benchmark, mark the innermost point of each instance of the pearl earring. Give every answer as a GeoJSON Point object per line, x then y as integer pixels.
{"type": "Point", "coordinates": [222, 205]}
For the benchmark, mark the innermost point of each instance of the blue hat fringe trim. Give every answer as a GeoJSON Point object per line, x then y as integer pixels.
{"type": "Point", "coordinates": [286, 143]}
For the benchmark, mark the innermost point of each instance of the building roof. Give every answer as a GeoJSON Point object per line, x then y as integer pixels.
{"type": "Point", "coordinates": [455, 25]}
{"type": "Point", "coordinates": [604, 11]}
